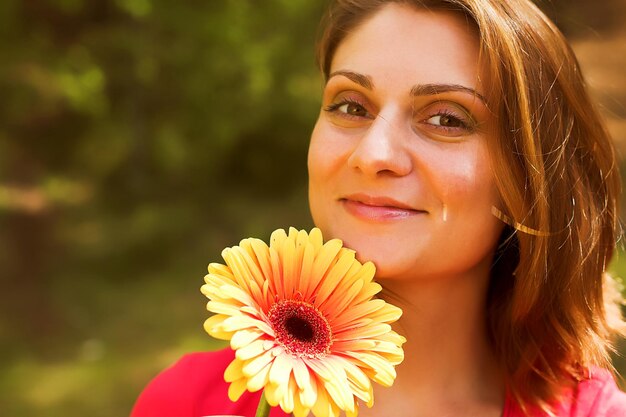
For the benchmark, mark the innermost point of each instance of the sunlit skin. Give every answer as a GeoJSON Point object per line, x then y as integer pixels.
{"type": "Point", "coordinates": [399, 170]}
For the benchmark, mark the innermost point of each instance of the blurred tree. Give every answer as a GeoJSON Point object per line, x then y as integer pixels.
{"type": "Point", "coordinates": [132, 106]}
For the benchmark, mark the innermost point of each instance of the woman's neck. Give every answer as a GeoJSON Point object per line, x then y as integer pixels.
{"type": "Point", "coordinates": [449, 367]}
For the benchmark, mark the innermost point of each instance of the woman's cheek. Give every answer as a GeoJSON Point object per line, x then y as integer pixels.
{"type": "Point", "coordinates": [467, 185]}
{"type": "Point", "coordinates": [328, 152]}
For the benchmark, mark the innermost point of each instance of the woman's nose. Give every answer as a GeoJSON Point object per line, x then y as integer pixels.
{"type": "Point", "coordinates": [381, 150]}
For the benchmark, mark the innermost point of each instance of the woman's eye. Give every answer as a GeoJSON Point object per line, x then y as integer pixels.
{"type": "Point", "coordinates": [445, 120]}
{"type": "Point", "coordinates": [353, 109]}
{"type": "Point", "coordinates": [348, 108]}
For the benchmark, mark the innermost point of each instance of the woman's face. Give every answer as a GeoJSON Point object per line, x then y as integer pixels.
{"type": "Point", "coordinates": [398, 161]}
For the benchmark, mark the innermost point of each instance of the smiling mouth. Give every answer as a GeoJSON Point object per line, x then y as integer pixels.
{"type": "Point", "coordinates": [378, 209]}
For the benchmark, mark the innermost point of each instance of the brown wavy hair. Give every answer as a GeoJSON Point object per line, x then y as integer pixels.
{"type": "Point", "coordinates": [552, 310]}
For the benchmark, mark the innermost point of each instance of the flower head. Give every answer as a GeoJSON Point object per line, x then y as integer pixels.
{"type": "Point", "coordinates": [300, 316]}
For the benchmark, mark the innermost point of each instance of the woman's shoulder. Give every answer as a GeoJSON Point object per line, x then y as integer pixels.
{"type": "Point", "coordinates": [194, 386]}
{"type": "Point", "coordinates": [178, 389]}
{"type": "Point", "coordinates": [598, 396]}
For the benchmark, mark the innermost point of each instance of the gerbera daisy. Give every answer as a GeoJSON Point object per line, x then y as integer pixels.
{"type": "Point", "coordinates": [302, 321]}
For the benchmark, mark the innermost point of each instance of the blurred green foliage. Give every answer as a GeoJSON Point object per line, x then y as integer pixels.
{"type": "Point", "coordinates": [137, 139]}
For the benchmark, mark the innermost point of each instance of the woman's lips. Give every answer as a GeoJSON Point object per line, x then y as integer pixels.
{"type": "Point", "coordinates": [378, 209]}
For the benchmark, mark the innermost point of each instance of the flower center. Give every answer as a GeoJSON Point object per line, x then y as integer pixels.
{"type": "Point", "coordinates": [300, 328]}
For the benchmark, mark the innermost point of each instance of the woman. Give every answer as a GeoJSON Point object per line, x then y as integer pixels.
{"type": "Point", "coordinates": [457, 149]}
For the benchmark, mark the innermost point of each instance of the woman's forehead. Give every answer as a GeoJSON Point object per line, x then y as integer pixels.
{"type": "Point", "coordinates": [402, 43]}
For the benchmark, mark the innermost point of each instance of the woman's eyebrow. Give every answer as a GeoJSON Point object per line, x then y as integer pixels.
{"type": "Point", "coordinates": [434, 89]}
{"type": "Point", "coordinates": [364, 81]}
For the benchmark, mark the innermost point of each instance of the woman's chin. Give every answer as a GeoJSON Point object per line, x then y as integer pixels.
{"type": "Point", "coordinates": [388, 265]}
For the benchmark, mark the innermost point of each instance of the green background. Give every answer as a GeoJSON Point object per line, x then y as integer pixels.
{"type": "Point", "coordinates": [137, 139]}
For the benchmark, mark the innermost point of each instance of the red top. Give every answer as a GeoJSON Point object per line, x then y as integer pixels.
{"type": "Point", "coordinates": [195, 387]}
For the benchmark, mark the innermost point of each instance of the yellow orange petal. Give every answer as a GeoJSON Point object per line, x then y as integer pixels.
{"type": "Point", "coordinates": [344, 299]}
{"type": "Point", "coordinates": [281, 369]}
{"type": "Point", "coordinates": [215, 320]}
{"type": "Point", "coordinates": [220, 334]}
{"type": "Point", "coordinates": [259, 380]}
{"type": "Point", "coordinates": [363, 395]}
{"type": "Point", "coordinates": [354, 412]}
{"type": "Point", "coordinates": [277, 273]}
{"type": "Point", "coordinates": [287, 401]}
{"type": "Point", "coordinates": [262, 254]}
{"type": "Point", "coordinates": [370, 403]}
{"type": "Point", "coordinates": [364, 333]}
{"type": "Point", "coordinates": [302, 238]}
{"type": "Point", "coordinates": [221, 270]}
{"type": "Point", "coordinates": [242, 321]}
{"type": "Point", "coordinates": [308, 256]}
{"type": "Point", "coordinates": [272, 394]}
{"type": "Point", "coordinates": [335, 381]}
{"type": "Point", "coordinates": [277, 238]}
{"type": "Point", "coordinates": [244, 337]}
{"type": "Point", "coordinates": [355, 324]}
{"type": "Point", "coordinates": [306, 383]}
{"type": "Point", "coordinates": [215, 280]}
{"type": "Point", "coordinates": [338, 387]}
{"type": "Point", "coordinates": [358, 344]}
{"type": "Point", "coordinates": [387, 347]}
{"type": "Point", "coordinates": [369, 290]}
{"type": "Point", "coordinates": [257, 295]}
{"type": "Point", "coordinates": [301, 244]}
{"type": "Point", "coordinates": [268, 294]}
{"type": "Point", "coordinates": [235, 293]}
{"type": "Point", "coordinates": [384, 372]}
{"type": "Point", "coordinates": [393, 337]}
{"type": "Point", "coordinates": [322, 372]}
{"type": "Point", "coordinates": [367, 272]}
{"type": "Point", "coordinates": [233, 371]}
{"type": "Point", "coordinates": [335, 274]}
{"type": "Point", "coordinates": [254, 366]}
{"type": "Point", "coordinates": [289, 261]}
{"type": "Point", "coordinates": [322, 263]}
{"type": "Point", "coordinates": [292, 234]}
{"type": "Point", "coordinates": [300, 410]}
{"type": "Point", "coordinates": [253, 350]}
{"type": "Point", "coordinates": [365, 309]}
{"type": "Point", "coordinates": [236, 388]}
{"type": "Point", "coordinates": [241, 272]}
{"type": "Point", "coordinates": [213, 326]}
{"type": "Point", "coordinates": [251, 264]}
{"type": "Point", "coordinates": [355, 374]}
{"type": "Point", "coordinates": [325, 406]}
{"type": "Point", "coordinates": [351, 276]}
{"type": "Point", "coordinates": [316, 239]}
{"type": "Point", "coordinates": [388, 313]}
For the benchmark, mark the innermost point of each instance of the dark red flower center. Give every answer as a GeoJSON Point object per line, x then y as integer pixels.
{"type": "Point", "coordinates": [300, 328]}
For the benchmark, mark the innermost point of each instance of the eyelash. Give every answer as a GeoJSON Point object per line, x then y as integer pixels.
{"type": "Point", "coordinates": [464, 124]}
{"type": "Point", "coordinates": [334, 107]}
